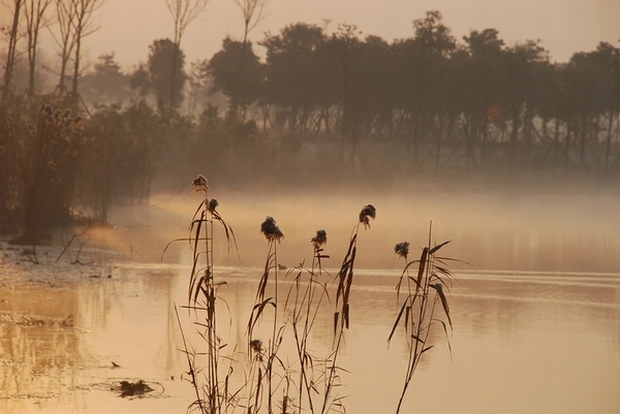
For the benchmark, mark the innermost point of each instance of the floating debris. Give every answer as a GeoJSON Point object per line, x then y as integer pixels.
{"type": "Point", "coordinates": [132, 389]}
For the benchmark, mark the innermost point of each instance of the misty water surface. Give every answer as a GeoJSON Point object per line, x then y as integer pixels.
{"type": "Point", "coordinates": [536, 311]}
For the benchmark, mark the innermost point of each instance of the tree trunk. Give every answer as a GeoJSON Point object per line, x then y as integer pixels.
{"type": "Point", "coordinates": [175, 59]}
{"type": "Point", "coordinates": [567, 144]}
{"type": "Point", "coordinates": [608, 141]}
{"type": "Point", "coordinates": [10, 55]}
{"type": "Point", "coordinates": [76, 65]}
{"type": "Point", "coordinates": [582, 146]}
{"type": "Point", "coordinates": [514, 138]}
{"type": "Point", "coordinates": [556, 143]}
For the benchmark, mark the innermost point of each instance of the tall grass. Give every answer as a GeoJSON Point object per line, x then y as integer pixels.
{"type": "Point", "coordinates": [342, 313]}
{"type": "Point", "coordinates": [305, 298]}
{"type": "Point", "coordinates": [209, 370]}
{"type": "Point", "coordinates": [423, 281]}
{"type": "Point", "coordinates": [264, 359]}
{"type": "Point", "coordinates": [259, 376]}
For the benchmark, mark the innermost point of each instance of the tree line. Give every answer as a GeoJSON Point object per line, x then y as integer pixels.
{"type": "Point", "coordinates": [317, 102]}
{"type": "Point", "coordinates": [475, 103]}
{"type": "Point", "coordinates": [478, 103]}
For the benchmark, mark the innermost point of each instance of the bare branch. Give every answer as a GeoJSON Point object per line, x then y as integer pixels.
{"type": "Point", "coordinates": [253, 12]}
{"type": "Point", "coordinates": [183, 13]}
{"type": "Point", "coordinates": [11, 50]}
{"type": "Point", "coordinates": [34, 11]}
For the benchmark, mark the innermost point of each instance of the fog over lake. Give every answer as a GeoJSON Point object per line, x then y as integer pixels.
{"type": "Point", "coordinates": [535, 304]}
{"type": "Point", "coordinates": [309, 207]}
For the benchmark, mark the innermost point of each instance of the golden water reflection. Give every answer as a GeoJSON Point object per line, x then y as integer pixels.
{"type": "Point", "coordinates": [523, 342]}
{"type": "Point", "coordinates": [63, 349]}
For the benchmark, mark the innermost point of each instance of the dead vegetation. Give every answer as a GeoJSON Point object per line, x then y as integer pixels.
{"type": "Point", "coordinates": [25, 320]}
{"type": "Point", "coordinates": [229, 377]}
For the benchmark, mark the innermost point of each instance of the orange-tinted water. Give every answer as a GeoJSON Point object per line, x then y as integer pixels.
{"type": "Point", "coordinates": [536, 315]}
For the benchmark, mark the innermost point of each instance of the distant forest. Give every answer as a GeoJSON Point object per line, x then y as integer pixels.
{"type": "Point", "coordinates": [322, 105]}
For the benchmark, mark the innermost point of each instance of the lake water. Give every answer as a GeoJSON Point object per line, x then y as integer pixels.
{"type": "Point", "coordinates": [536, 311]}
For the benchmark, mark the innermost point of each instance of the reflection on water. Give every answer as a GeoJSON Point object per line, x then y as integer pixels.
{"type": "Point", "coordinates": [543, 337]}
{"type": "Point", "coordinates": [40, 351]}
{"type": "Point", "coordinates": [59, 347]}
{"type": "Point", "coordinates": [523, 342]}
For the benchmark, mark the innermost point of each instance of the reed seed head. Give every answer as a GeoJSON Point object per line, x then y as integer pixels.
{"type": "Point", "coordinates": [270, 230]}
{"type": "Point", "coordinates": [213, 204]}
{"type": "Point", "coordinates": [402, 249]}
{"type": "Point", "coordinates": [320, 239]}
{"type": "Point", "coordinates": [256, 345]}
{"type": "Point", "coordinates": [200, 183]}
{"type": "Point", "coordinates": [366, 214]}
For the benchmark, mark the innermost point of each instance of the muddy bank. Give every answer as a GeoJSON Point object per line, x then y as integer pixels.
{"type": "Point", "coordinates": [49, 265]}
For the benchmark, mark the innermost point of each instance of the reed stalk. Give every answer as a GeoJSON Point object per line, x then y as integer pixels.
{"type": "Point", "coordinates": [273, 235]}
{"type": "Point", "coordinates": [417, 315]}
{"type": "Point", "coordinates": [305, 297]}
{"type": "Point", "coordinates": [213, 395]}
{"type": "Point", "coordinates": [342, 313]}
{"type": "Point", "coordinates": [301, 384]}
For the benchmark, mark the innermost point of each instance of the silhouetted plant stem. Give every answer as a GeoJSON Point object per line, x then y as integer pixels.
{"type": "Point", "coordinates": [273, 235]}
{"type": "Point", "coordinates": [342, 314]}
{"type": "Point", "coordinates": [191, 366]}
{"type": "Point", "coordinates": [202, 301]}
{"type": "Point", "coordinates": [268, 375]}
{"type": "Point", "coordinates": [306, 305]}
{"type": "Point", "coordinates": [417, 312]}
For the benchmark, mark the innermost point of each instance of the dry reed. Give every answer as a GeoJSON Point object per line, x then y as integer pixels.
{"type": "Point", "coordinates": [417, 317]}
{"type": "Point", "coordinates": [303, 382]}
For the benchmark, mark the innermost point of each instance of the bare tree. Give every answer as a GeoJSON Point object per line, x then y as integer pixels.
{"type": "Point", "coordinates": [252, 12]}
{"type": "Point", "coordinates": [13, 34]}
{"type": "Point", "coordinates": [74, 18]}
{"type": "Point", "coordinates": [65, 14]}
{"type": "Point", "coordinates": [183, 13]}
{"type": "Point", "coordinates": [34, 11]}
{"type": "Point", "coordinates": [83, 26]}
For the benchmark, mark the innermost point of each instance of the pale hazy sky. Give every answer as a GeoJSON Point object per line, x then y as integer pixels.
{"type": "Point", "coordinates": [128, 27]}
